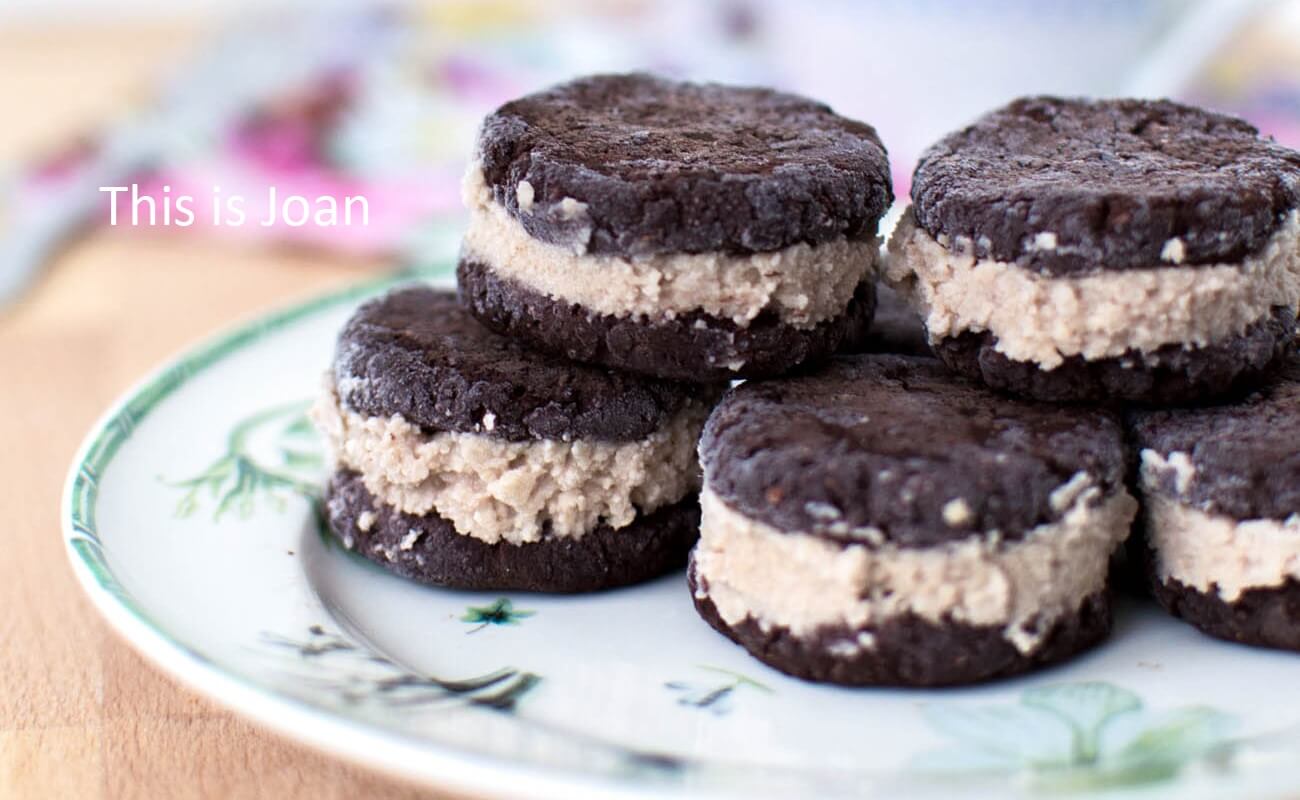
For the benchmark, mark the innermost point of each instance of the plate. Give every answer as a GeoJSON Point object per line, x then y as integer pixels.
{"type": "Point", "coordinates": [191, 519]}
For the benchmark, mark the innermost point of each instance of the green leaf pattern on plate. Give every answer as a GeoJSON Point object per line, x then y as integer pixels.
{"type": "Point", "coordinates": [326, 661]}
{"type": "Point", "coordinates": [272, 453]}
{"type": "Point", "coordinates": [716, 696]}
{"type": "Point", "coordinates": [501, 612]}
{"type": "Point", "coordinates": [1077, 737]}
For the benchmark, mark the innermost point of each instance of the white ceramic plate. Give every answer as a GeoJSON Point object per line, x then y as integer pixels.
{"type": "Point", "coordinates": [190, 520]}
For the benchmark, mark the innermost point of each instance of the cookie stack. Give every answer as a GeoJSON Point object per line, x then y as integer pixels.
{"type": "Point", "coordinates": [940, 508]}
{"type": "Point", "coordinates": [634, 243]}
{"type": "Point", "coordinates": [892, 520]}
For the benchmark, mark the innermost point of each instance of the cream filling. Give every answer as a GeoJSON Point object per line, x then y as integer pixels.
{"type": "Point", "coordinates": [1214, 553]}
{"type": "Point", "coordinates": [804, 582]}
{"type": "Point", "coordinates": [496, 490]}
{"type": "Point", "coordinates": [805, 285]}
{"type": "Point", "coordinates": [1045, 319]}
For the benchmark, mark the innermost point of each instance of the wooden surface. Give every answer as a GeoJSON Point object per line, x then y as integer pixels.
{"type": "Point", "coordinates": [80, 714]}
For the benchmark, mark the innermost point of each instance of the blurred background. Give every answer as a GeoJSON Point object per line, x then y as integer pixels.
{"type": "Point", "coordinates": [382, 101]}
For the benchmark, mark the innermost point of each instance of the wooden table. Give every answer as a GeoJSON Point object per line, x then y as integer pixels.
{"type": "Point", "coordinates": [81, 715]}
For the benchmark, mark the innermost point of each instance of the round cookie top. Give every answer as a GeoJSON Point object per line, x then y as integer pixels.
{"type": "Point", "coordinates": [899, 445]}
{"type": "Point", "coordinates": [1242, 460]}
{"type": "Point", "coordinates": [1063, 185]}
{"type": "Point", "coordinates": [416, 353]}
{"type": "Point", "coordinates": [635, 165]}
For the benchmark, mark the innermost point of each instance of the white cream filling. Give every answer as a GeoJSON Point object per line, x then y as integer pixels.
{"type": "Point", "coordinates": [1046, 319]}
{"type": "Point", "coordinates": [496, 490]}
{"type": "Point", "coordinates": [804, 582]}
{"type": "Point", "coordinates": [1214, 553]}
{"type": "Point", "coordinates": [805, 285]}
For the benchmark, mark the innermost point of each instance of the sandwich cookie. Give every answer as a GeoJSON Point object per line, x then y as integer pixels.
{"type": "Point", "coordinates": [1221, 505]}
{"type": "Point", "coordinates": [884, 522]}
{"type": "Point", "coordinates": [466, 460]}
{"type": "Point", "coordinates": [1074, 250]}
{"type": "Point", "coordinates": [687, 231]}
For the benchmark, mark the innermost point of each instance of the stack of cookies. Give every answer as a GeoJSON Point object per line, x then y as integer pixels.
{"type": "Point", "coordinates": [634, 244]}
{"type": "Point", "coordinates": [934, 499]}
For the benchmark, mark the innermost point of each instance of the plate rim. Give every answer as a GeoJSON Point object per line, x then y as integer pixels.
{"type": "Point", "coordinates": [434, 764]}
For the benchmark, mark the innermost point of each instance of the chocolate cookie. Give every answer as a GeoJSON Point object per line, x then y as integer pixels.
{"type": "Point", "coordinates": [883, 521]}
{"type": "Point", "coordinates": [1221, 506]}
{"type": "Point", "coordinates": [1169, 375]}
{"type": "Point", "coordinates": [519, 456]}
{"type": "Point", "coordinates": [1262, 617]}
{"type": "Point", "coordinates": [429, 549]}
{"type": "Point", "coordinates": [689, 347]}
{"type": "Point", "coordinates": [417, 354]}
{"type": "Point", "coordinates": [1075, 250]}
{"type": "Point", "coordinates": [615, 216]}
{"type": "Point", "coordinates": [908, 649]}
{"type": "Point", "coordinates": [1111, 181]}
{"type": "Point", "coordinates": [666, 167]}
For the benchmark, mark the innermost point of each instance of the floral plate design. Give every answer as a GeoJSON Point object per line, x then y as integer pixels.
{"type": "Point", "coordinates": [191, 518]}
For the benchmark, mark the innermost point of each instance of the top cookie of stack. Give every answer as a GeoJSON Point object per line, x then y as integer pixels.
{"type": "Point", "coordinates": [1090, 250]}
{"type": "Point", "coordinates": [688, 231]}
